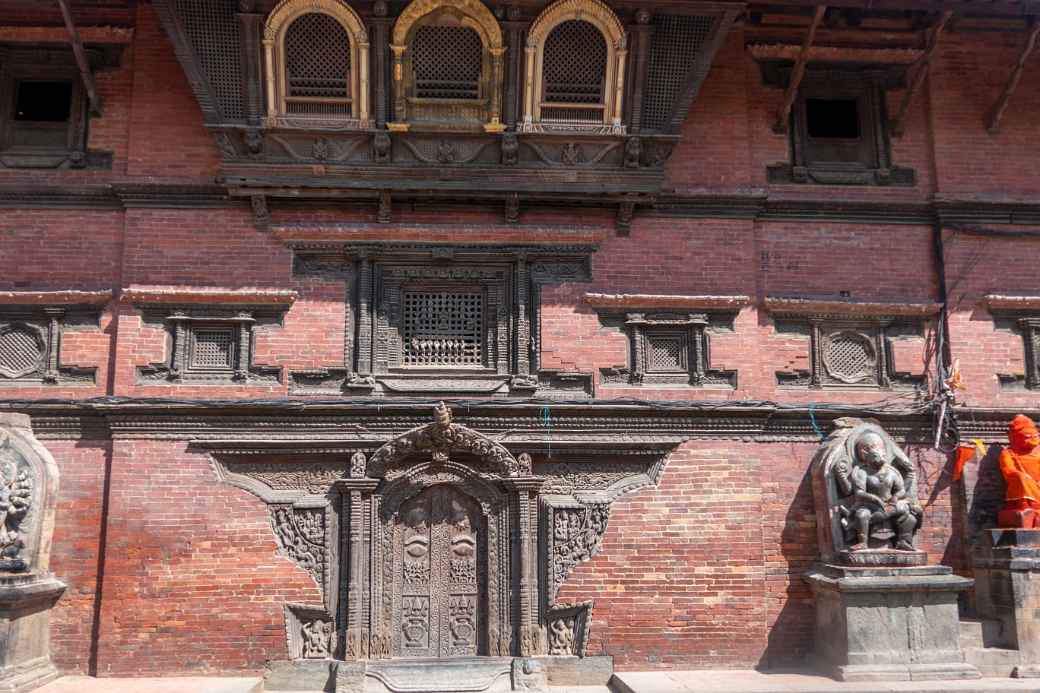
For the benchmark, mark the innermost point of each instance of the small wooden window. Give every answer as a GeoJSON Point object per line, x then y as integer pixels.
{"type": "Point", "coordinates": [443, 328]}
{"type": "Point", "coordinates": [317, 67]}
{"type": "Point", "coordinates": [316, 54]}
{"type": "Point", "coordinates": [42, 117]}
{"type": "Point", "coordinates": [574, 72]}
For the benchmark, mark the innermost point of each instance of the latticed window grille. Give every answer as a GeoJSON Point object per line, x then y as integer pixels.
{"type": "Point", "coordinates": [443, 328]}
{"type": "Point", "coordinates": [20, 352]}
{"type": "Point", "coordinates": [447, 62]}
{"type": "Point", "coordinates": [317, 67]}
{"type": "Point", "coordinates": [213, 349]}
{"type": "Point", "coordinates": [214, 33]}
{"type": "Point", "coordinates": [665, 354]}
{"type": "Point", "coordinates": [574, 71]}
{"type": "Point", "coordinates": [849, 357]}
{"type": "Point", "coordinates": [677, 41]}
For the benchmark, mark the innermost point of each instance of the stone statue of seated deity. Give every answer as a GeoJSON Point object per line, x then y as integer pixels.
{"type": "Point", "coordinates": [866, 497]}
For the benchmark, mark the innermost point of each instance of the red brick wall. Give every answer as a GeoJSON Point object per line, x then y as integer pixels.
{"type": "Point", "coordinates": [717, 583]}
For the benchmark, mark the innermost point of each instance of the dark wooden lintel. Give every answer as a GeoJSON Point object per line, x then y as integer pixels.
{"type": "Point", "coordinates": [897, 124]}
{"type": "Point", "coordinates": [783, 115]}
{"type": "Point", "coordinates": [997, 112]}
{"type": "Point", "coordinates": [81, 59]}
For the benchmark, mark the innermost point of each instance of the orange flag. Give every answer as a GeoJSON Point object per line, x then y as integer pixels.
{"type": "Point", "coordinates": [964, 454]}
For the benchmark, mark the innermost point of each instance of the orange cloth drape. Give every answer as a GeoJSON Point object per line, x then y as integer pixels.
{"type": "Point", "coordinates": [1021, 473]}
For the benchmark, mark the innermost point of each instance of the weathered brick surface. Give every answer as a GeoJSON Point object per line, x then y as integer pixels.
{"type": "Point", "coordinates": [700, 572]}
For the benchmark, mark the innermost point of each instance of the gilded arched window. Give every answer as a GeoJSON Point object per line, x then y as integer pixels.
{"type": "Point", "coordinates": [316, 54]}
{"type": "Point", "coordinates": [575, 66]}
{"type": "Point", "coordinates": [447, 66]}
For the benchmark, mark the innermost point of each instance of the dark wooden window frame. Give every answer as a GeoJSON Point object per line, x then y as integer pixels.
{"type": "Point", "coordinates": [1027, 326]}
{"type": "Point", "coordinates": [182, 325]}
{"type": "Point", "coordinates": [46, 325]}
{"type": "Point", "coordinates": [879, 332]}
{"type": "Point", "coordinates": [868, 158]}
{"type": "Point", "coordinates": [693, 330]}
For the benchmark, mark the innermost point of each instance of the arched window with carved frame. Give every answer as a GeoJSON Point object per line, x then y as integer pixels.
{"type": "Point", "coordinates": [316, 57]}
{"type": "Point", "coordinates": [575, 69]}
{"type": "Point", "coordinates": [448, 66]}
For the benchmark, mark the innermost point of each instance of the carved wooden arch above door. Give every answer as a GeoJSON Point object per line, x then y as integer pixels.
{"type": "Point", "coordinates": [483, 109]}
{"type": "Point", "coordinates": [286, 109]}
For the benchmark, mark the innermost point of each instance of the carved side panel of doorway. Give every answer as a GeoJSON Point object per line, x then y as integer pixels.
{"type": "Point", "coordinates": [441, 576]}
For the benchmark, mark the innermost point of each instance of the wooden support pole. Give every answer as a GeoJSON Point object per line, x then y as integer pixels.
{"type": "Point", "coordinates": [897, 124]}
{"type": "Point", "coordinates": [81, 59]}
{"type": "Point", "coordinates": [784, 114]}
{"type": "Point", "coordinates": [997, 112]}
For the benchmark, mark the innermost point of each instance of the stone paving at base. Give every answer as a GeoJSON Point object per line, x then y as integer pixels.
{"type": "Point", "coordinates": [712, 681]}
{"type": "Point", "coordinates": [730, 681]}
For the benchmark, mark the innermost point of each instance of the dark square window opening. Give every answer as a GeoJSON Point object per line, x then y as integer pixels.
{"type": "Point", "coordinates": [832, 119]}
{"type": "Point", "coordinates": [43, 101]}
{"type": "Point", "coordinates": [667, 351]}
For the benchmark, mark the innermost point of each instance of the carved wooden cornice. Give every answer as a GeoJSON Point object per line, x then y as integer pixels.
{"type": "Point", "coordinates": [141, 294]}
{"type": "Point", "coordinates": [55, 298]}
{"type": "Point", "coordinates": [1005, 303]}
{"type": "Point", "coordinates": [352, 423]}
{"type": "Point", "coordinates": [810, 307]}
{"type": "Point", "coordinates": [665, 302]}
{"type": "Point", "coordinates": [56, 34]}
{"type": "Point", "coordinates": [835, 54]}
{"type": "Point", "coordinates": [305, 234]}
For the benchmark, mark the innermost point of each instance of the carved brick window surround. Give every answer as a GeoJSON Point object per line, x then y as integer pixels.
{"type": "Point", "coordinates": [850, 344]}
{"type": "Point", "coordinates": [669, 343]}
{"type": "Point", "coordinates": [1019, 315]}
{"type": "Point", "coordinates": [423, 319]}
{"type": "Point", "coordinates": [576, 54]}
{"type": "Point", "coordinates": [837, 131]}
{"type": "Point", "coordinates": [31, 328]}
{"type": "Point", "coordinates": [210, 333]}
{"type": "Point", "coordinates": [43, 109]}
{"type": "Point", "coordinates": [316, 55]}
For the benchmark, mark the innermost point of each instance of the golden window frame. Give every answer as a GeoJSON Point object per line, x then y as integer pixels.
{"type": "Point", "coordinates": [275, 30]}
{"type": "Point", "coordinates": [472, 14]}
{"type": "Point", "coordinates": [603, 18]}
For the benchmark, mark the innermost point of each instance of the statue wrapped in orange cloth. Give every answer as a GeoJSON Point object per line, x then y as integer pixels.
{"type": "Point", "coordinates": [1020, 465]}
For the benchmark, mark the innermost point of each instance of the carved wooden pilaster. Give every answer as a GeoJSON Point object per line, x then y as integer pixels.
{"type": "Point", "coordinates": [180, 347]}
{"type": "Point", "coordinates": [251, 33]}
{"type": "Point", "coordinates": [815, 350]}
{"type": "Point", "coordinates": [400, 116]}
{"type": "Point", "coordinates": [514, 54]}
{"type": "Point", "coordinates": [525, 491]}
{"type": "Point", "coordinates": [54, 316]}
{"type": "Point", "coordinates": [356, 494]}
{"type": "Point", "coordinates": [364, 357]}
{"type": "Point", "coordinates": [523, 326]}
{"type": "Point", "coordinates": [641, 35]}
{"type": "Point", "coordinates": [380, 73]}
{"type": "Point", "coordinates": [494, 123]}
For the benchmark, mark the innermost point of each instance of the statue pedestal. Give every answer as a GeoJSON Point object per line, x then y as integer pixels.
{"type": "Point", "coordinates": [25, 603]}
{"type": "Point", "coordinates": [888, 624]}
{"type": "Point", "coordinates": [1007, 575]}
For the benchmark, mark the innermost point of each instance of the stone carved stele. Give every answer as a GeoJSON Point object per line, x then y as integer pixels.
{"type": "Point", "coordinates": [881, 613]}
{"type": "Point", "coordinates": [28, 490]}
{"type": "Point", "coordinates": [865, 490]}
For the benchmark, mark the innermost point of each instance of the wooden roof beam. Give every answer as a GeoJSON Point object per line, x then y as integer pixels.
{"type": "Point", "coordinates": [783, 115]}
{"type": "Point", "coordinates": [997, 112]}
{"type": "Point", "coordinates": [897, 124]}
{"type": "Point", "coordinates": [81, 59]}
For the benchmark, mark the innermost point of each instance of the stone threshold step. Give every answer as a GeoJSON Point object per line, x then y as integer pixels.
{"type": "Point", "coordinates": [171, 684]}
{"type": "Point", "coordinates": [747, 681]}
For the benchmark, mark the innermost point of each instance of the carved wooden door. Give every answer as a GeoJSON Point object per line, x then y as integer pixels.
{"type": "Point", "coordinates": [439, 581]}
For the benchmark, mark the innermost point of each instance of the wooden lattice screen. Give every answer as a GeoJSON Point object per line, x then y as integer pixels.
{"type": "Point", "coordinates": [574, 68]}
{"type": "Point", "coordinates": [317, 67]}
